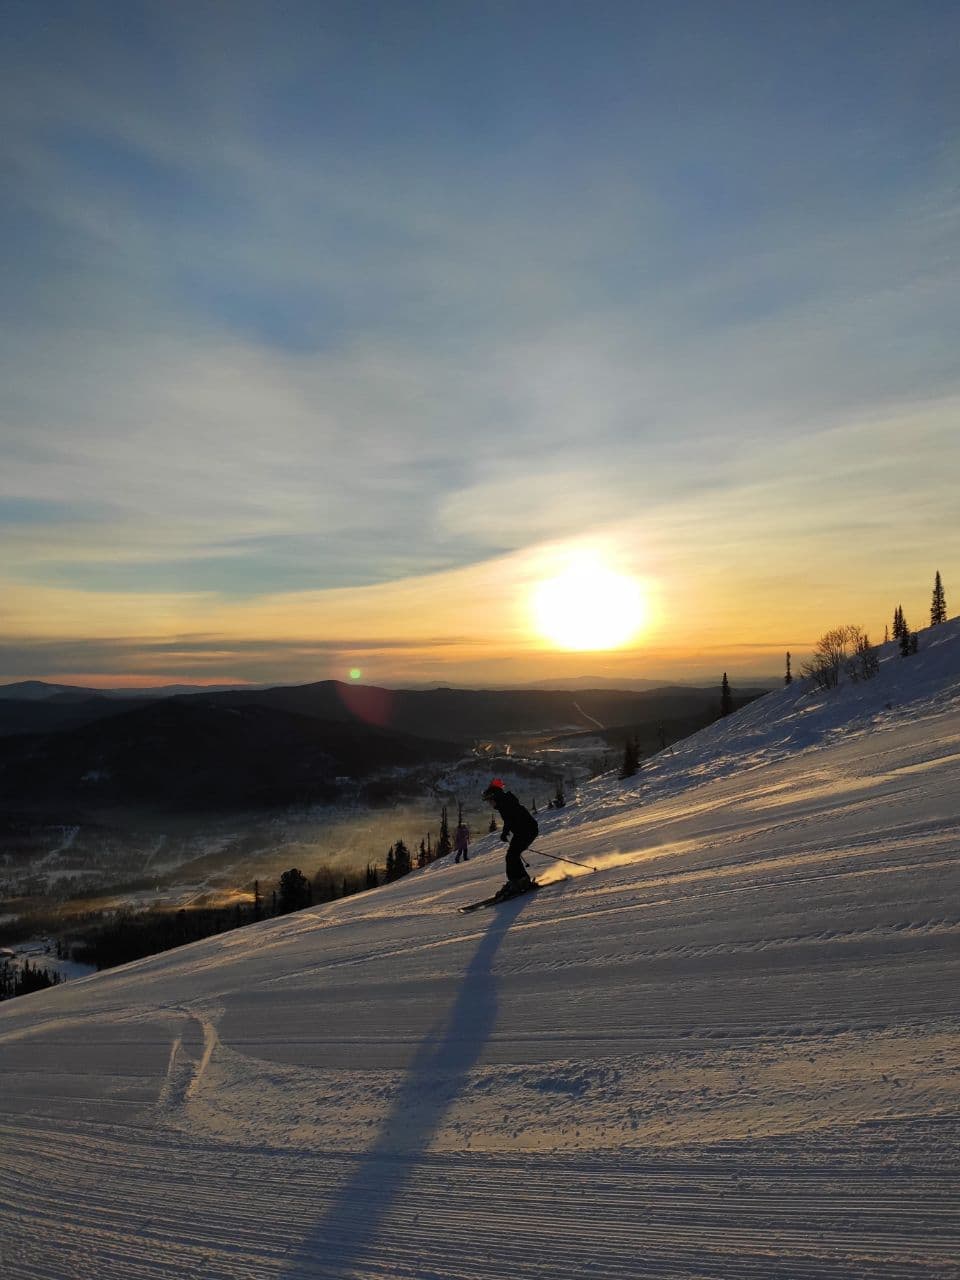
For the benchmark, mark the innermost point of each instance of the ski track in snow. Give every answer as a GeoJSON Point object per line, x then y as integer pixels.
{"type": "Point", "coordinates": [730, 1053]}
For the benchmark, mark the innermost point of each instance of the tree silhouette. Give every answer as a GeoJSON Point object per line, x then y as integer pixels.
{"type": "Point", "coordinates": [726, 697]}
{"type": "Point", "coordinates": [938, 607]}
{"type": "Point", "coordinates": [402, 862]}
{"type": "Point", "coordinates": [444, 844]}
{"type": "Point", "coordinates": [631, 758]}
{"type": "Point", "coordinates": [830, 655]}
{"type": "Point", "coordinates": [293, 891]}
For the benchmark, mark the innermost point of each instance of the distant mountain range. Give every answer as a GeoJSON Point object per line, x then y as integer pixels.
{"type": "Point", "coordinates": [186, 754]}
{"type": "Point", "coordinates": [256, 748]}
{"type": "Point", "coordinates": [42, 690]}
{"type": "Point", "coordinates": [747, 682]}
{"type": "Point", "coordinates": [444, 713]}
{"type": "Point", "coordinates": [466, 715]}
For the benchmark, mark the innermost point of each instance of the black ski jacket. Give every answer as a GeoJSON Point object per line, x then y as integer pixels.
{"type": "Point", "coordinates": [516, 819]}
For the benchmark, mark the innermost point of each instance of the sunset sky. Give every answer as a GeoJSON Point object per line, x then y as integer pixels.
{"type": "Point", "coordinates": [330, 332]}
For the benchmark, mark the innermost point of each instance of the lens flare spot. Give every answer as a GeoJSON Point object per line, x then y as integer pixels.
{"type": "Point", "coordinates": [355, 673]}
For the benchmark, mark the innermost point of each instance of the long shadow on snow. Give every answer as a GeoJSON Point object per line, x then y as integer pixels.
{"type": "Point", "coordinates": [348, 1234]}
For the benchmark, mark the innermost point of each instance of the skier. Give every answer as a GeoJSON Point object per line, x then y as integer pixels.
{"type": "Point", "coordinates": [461, 842]}
{"type": "Point", "coordinates": [519, 823]}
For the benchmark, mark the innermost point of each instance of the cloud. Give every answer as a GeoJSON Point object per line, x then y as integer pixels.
{"type": "Point", "coordinates": [285, 316]}
{"type": "Point", "coordinates": [222, 658]}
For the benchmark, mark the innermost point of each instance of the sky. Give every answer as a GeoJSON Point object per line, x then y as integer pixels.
{"type": "Point", "coordinates": [329, 332]}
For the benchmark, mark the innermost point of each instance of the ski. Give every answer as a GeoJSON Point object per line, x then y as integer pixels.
{"type": "Point", "coordinates": [495, 900]}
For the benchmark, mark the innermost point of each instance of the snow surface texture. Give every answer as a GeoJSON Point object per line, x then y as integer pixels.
{"type": "Point", "coordinates": [732, 1052]}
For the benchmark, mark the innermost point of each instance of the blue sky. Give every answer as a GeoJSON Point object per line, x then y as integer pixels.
{"type": "Point", "coordinates": [304, 299]}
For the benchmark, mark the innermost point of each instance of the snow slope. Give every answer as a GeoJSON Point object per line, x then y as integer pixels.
{"type": "Point", "coordinates": [731, 1052]}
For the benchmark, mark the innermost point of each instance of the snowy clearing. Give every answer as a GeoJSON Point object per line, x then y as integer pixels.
{"type": "Point", "coordinates": [731, 1052]}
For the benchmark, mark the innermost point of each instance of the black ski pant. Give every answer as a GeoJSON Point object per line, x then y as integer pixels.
{"type": "Point", "coordinates": [515, 868]}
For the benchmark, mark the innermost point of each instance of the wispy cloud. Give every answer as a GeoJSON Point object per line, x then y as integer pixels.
{"type": "Point", "coordinates": [290, 309]}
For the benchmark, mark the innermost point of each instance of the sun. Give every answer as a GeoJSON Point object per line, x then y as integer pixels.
{"type": "Point", "coordinates": [589, 606]}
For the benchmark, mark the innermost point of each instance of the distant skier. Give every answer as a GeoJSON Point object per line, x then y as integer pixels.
{"type": "Point", "coordinates": [519, 823]}
{"type": "Point", "coordinates": [461, 842]}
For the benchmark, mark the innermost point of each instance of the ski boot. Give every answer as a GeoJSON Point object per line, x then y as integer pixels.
{"type": "Point", "coordinates": [514, 887]}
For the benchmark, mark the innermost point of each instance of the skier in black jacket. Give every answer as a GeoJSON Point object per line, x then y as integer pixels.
{"type": "Point", "coordinates": [519, 823]}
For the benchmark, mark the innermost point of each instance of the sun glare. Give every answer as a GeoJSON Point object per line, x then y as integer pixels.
{"type": "Point", "coordinates": [589, 606]}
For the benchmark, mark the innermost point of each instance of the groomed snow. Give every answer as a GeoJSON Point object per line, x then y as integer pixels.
{"type": "Point", "coordinates": [731, 1052]}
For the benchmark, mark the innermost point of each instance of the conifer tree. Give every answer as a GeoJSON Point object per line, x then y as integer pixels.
{"type": "Point", "coordinates": [294, 891]}
{"type": "Point", "coordinates": [938, 607]}
{"type": "Point", "coordinates": [33, 979]}
{"type": "Point", "coordinates": [391, 868]}
{"type": "Point", "coordinates": [402, 863]}
{"type": "Point", "coordinates": [493, 823]}
{"type": "Point", "coordinates": [726, 697]}
{"type": "Point", "coordinates": [631, 758]}
{"type": "Point", "coordinates": [899, 626]}
{"type": "Point", "coordinates": [864, 662]}
{"type": "Point", "coordinates": [788, 678]}
{"type": "Point", "coordinates": [905, 642]}
{"type": "Point", "coordinates": [444, 844]}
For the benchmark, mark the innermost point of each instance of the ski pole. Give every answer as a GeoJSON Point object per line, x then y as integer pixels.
{"type": "Point", "coordinates": [557, 858]}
